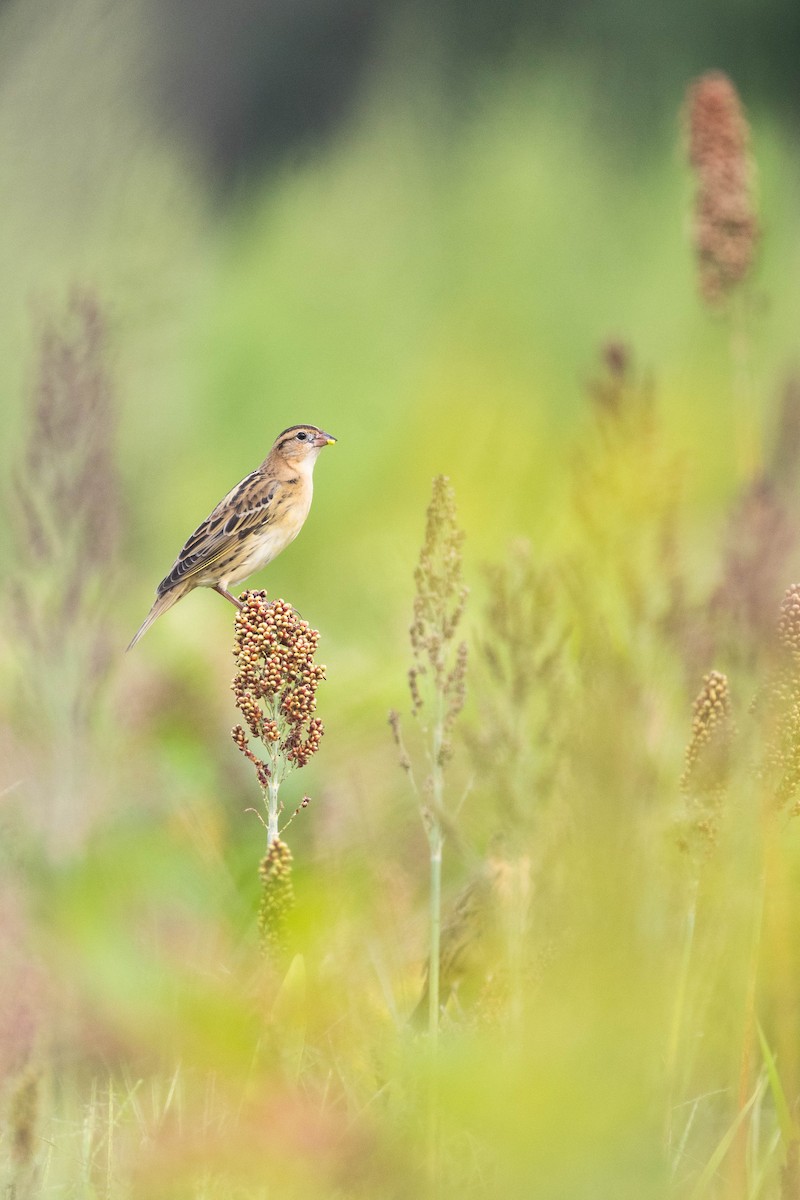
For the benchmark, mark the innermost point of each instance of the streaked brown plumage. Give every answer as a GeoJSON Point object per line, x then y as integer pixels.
{"type": "Point", "coordinates": [250, 527]}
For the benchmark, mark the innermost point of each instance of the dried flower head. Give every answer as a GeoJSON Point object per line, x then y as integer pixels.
{"type": "Point", "coordinates": [438, 608]}
{"type": "Point", "coordinates": [277, 896]}
{"type": "Point", "coordinates": [705, 778]}
{"type": "Point", "coordinates": [725, 224]}
{"type": "Point", "coordinates": [275, 685]}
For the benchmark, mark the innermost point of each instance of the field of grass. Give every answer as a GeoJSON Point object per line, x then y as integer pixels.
{"type": "Point", "coordinates": [508, 299]}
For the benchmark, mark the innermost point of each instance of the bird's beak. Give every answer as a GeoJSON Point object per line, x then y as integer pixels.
{"type": "Point", "coordinates": [324, 439]}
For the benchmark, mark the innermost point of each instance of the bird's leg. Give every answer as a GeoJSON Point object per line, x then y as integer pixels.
{"type": "Point", "coordinates": [223, 592]}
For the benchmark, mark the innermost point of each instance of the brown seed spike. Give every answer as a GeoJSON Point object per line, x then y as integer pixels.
{"type": "Point", "coordinates": [705, 778]}
{"type": "Point", "coordinates": [789, 622]}
{"type": "Point", "coordinates": [725, 230]}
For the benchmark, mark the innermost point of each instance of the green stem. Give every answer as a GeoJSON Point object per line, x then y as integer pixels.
{"type": "Point", "coordinates": [436, 841]}
{"type": "Point", "coordinates": [679, 1009]}
{"type": "Point", "coordinates": [272, 808]}
{"type": "Point", "coordinates": [750, 454]}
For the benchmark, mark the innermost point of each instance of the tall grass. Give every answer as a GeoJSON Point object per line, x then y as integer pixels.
{"type": "Point", "coordinates": [618, 974]}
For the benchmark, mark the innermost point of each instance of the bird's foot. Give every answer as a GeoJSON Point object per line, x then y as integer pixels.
{"type": "Point", "coordinates": [228, 596]}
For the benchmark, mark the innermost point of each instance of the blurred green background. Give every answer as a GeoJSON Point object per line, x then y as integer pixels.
{"type": "Point", "coordinates": [414, 226]}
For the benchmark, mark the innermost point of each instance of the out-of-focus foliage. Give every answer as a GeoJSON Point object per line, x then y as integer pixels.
{"type": "Point", "coordinates": [499, 287]}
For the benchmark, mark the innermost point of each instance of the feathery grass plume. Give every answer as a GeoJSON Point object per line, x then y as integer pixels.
{"type": "Point", "coordinates": [514, 743]}
{"type": "Point", "coordinates": [725, 225]}
{"type": "Point", "coordinates": [275, 689]}
{"type": "Point", "coordinates": [705, 778]}
{"type": "Point", "coordinates": [518, 746]}
{"type": "Point", "coordinates": [625, 499]}
{"type": "Point", "coordinates": [437, 681]}
{"type": "Point", "coordinates": [66, 497]}
{"type": "Point", "coordinates": [64, 515]}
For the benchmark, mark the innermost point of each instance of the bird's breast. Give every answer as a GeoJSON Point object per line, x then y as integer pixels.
{"type": "Point", "coordinates": [266, 543]}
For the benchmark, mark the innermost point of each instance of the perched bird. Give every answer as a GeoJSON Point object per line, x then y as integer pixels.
{"type": "Point", "coordinates": [250, 526]}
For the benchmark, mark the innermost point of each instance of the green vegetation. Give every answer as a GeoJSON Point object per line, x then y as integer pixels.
{"type": "Point", "coordinates": [511, 301]}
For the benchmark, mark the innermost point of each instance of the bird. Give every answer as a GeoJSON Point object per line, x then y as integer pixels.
{"type": "Point", "coordinates": [250, 526]}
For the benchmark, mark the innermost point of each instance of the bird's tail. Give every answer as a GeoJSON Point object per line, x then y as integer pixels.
{"type": "Point", "coordinates": [160, 605]}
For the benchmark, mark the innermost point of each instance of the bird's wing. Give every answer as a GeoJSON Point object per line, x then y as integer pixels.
{"type": "Point", "coordinates": [248, 507]}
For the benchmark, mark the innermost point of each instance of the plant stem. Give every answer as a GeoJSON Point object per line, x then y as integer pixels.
{"type": "Point", "coordinates": [436, 841]}
{"type": "Point", "coordinates": [678, 1010]}
{"type": "Point", "coordinates": [272, 808]}
{"type": "Point", "coordinates": [274, 783]}
{"type": "Point", "coordinates": [740, 1182]}
{"type": "Point", "coordinates": [749, 450]}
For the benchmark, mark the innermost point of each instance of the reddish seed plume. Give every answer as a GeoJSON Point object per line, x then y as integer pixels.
{"type": "Point", "coordinates": [725, 227]}
{"type": "Point", "coordinates": [276, 681]}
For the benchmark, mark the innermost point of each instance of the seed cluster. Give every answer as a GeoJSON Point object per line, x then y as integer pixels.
{"type": "Point", "coordinates": [789, 625]}
{"type": "Point", "coordinates": [275, 683]}
{"type": "Point", "coordinates": [705, 778]}
{"type": "Point", "coordinates": [725, 223]}
{"type": "Point", "coordinates": [277, 896]}
{"type": "Point", "coordinates": [438, 607]}
{"type": "Point", "coordinates": [782, 708]}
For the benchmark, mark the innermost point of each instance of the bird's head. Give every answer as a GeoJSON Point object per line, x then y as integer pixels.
{"type": "Point", "coordinates": [300, 444]}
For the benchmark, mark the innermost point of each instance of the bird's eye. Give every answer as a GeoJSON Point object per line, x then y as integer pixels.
{"type": "Point", "coordinates": [302, 436]}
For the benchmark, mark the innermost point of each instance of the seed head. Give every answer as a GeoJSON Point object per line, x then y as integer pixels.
{"type": "Point", "coordinates": [705, 777]}
{"type": "Point", "coordinates": [277, 897]}
{"type": "Point", "coordinates": [438, 607]}
{"type": "Point", "coordinates": [725, 229]}
{"type": "Point", "coordinates": [275, 684]}
{"type": "Point", "coordinates": [780, 708]}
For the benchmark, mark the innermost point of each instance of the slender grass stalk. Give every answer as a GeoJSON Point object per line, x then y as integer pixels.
{"type": "Point", "coordinates": [436, 842]}
{"type": "Point", "coordinates": [701, 1187]}
{"type": "Point", "coordinates": [437, 683]}
{"type": "Point", "coordinates": [750, 451]}
{"type": "Point", "coordinates": [749, 1037]}
{"type": "Point", "coordinates": [678, 1011]}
